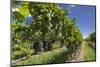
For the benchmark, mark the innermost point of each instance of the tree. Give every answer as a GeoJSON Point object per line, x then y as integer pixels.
{"type": "Point", "coordinates": [91, 37]}
{"type": "Point", "coordinates": [50, 24]}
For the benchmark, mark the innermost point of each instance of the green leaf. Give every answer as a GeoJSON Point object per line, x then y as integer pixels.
{"type": "Point", "coordinates": [24, 10]}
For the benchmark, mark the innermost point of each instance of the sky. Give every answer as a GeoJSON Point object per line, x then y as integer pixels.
{"type": "Point", "coordinates": [85, 17]}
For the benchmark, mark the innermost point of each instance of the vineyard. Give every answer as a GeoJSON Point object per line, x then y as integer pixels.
{"type": "Point", "coordinates": [49, 37]}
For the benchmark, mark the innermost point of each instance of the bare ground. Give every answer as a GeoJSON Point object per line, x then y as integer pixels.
{"type": "Point", "coordinates": [80, 54]}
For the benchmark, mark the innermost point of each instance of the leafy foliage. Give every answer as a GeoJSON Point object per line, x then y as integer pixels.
{"type": "Point", "coordinates": [92, 37]}
{"type": "Point", "coordinates": [91, 40]}
{"type": "Point", "coordinates": [50, 24]}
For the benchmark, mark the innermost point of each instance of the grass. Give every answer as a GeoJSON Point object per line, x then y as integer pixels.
{"type": "Point", "coordinates": [89, 53]}
{"type": "Point", "coordinates": [19, 54]}
{"type": "Point", "coordinates": [59, 55]}
{"type": "Point", "coordinates": [55, 56]}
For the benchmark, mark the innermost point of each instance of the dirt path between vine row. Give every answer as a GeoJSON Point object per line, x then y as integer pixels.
{"type": "Point", "coordinates": [80, 54]}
